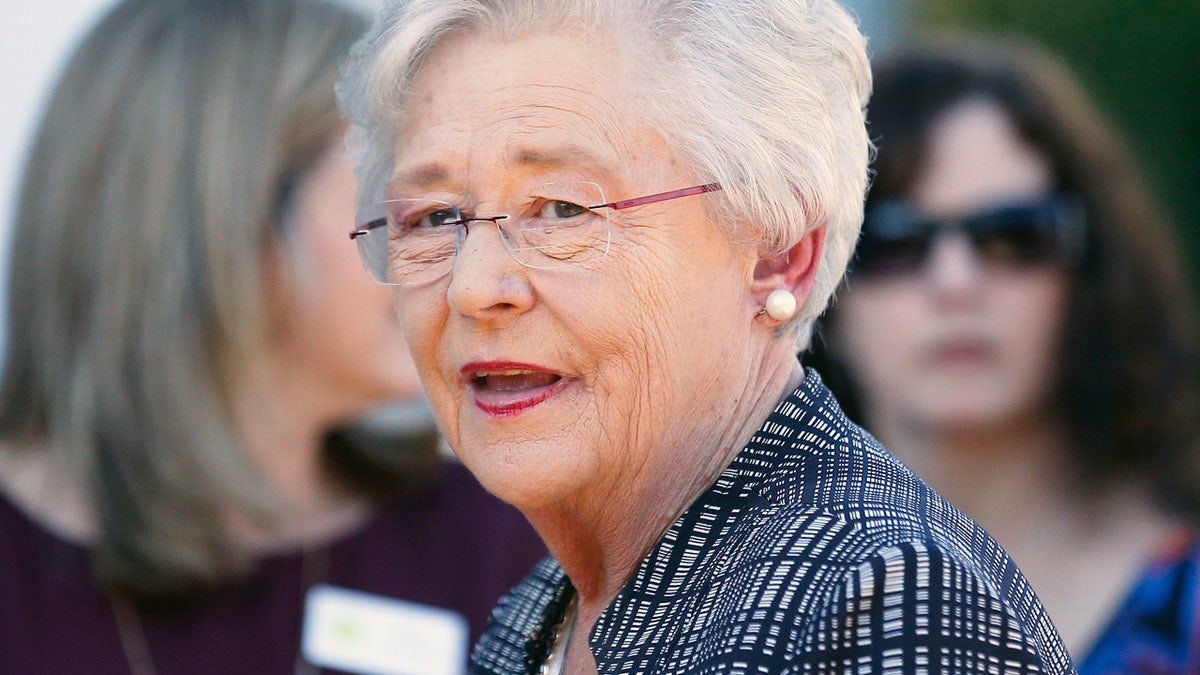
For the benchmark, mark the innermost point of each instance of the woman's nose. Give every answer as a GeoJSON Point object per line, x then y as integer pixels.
{"type": "Point", "coordinates": [954, 269]}
{"type": "Point", "coordinates": [486, 281]}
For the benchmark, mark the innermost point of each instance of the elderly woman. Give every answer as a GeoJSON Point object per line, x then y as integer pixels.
{"type": "Point", "coordinates": [610, 226]}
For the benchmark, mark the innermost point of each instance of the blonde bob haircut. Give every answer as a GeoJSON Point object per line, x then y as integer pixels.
{"type": "Point", "coordinates": [154, 196]}
{"type": "Point", "coordinates": [766, 97]}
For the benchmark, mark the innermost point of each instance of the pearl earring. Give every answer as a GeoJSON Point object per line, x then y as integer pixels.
{"type": "Point", "coordinates": [781, 305]}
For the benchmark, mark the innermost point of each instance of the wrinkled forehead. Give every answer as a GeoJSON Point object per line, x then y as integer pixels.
{"type": "Point", "coordinates": [548, 101]}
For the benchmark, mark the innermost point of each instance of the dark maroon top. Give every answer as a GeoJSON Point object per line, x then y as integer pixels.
{"type": "Point", "coordinates": [457, 547]}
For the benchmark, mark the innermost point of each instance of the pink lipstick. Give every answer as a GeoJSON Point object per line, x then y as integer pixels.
{"type": "Point", "coordinates": [507, 389]}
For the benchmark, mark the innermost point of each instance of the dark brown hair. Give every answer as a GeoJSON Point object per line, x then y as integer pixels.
{"type": "Point", "coordinates": [1127, 384]}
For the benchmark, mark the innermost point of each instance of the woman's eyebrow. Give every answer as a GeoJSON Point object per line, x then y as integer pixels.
{"type": "Point", "coordinates": [572, 155]}
{"type": "Point", "coordinates": [556, 157]}
{"type": "Point", "coordinates": [420, 176]}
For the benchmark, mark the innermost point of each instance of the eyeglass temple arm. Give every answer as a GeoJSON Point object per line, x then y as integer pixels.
{"type": "Point", "coordinates": [366, 228]}
{"type": "Point", "coordinates": [660, 197]}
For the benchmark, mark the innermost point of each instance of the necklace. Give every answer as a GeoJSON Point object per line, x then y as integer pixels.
{"type": "Point", "coordinates": [314, 568]}
{"type": "Point", "coordinates": [556, 660]}
{"type": "Point", "coordinates": [133, 637]}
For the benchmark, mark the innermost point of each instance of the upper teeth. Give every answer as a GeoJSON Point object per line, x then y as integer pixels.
{"type": "Point", "coordinates": [488, 373]}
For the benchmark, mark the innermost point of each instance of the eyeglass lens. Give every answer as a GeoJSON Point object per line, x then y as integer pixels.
{"type": "Point", "coordinates": [416, 240]}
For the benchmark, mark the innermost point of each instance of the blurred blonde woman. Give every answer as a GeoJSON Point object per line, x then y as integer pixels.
{"type": "Point", "coordinates": [189, 339]}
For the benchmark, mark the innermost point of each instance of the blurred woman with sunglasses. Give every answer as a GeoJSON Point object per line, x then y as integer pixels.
{"type": "Point", "coordinates": [184, 488]}
{"type": "Point", "coordinates": [1018, 327]}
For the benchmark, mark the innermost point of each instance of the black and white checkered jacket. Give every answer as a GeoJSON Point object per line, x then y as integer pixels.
{"type": "Point", "coordinates": [816, 551]}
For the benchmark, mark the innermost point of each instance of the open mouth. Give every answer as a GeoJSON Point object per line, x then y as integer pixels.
{"type": "Point", "coordinates": [512, 380]}
{"type": "Point", "coordinates": [506, 392]}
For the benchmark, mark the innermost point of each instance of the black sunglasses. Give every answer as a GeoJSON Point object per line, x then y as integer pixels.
{"type": "Point", "coordinates": [896, 239]}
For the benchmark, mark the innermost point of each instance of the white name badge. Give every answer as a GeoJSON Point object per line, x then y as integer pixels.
{"type": "Point", "coordinates": [374, 635]}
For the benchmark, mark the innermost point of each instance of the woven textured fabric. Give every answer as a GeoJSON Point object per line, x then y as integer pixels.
{"type": "Point", "coordinates": [816, 551]}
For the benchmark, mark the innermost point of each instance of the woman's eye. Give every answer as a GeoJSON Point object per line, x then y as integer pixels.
{"type": "Point", "coordinates": [556, 208]}
{"type": "Point", "coordinates": [433, 219]}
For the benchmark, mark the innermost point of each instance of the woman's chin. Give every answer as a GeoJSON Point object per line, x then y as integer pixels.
{"type": "Point", "coordinates": [529, 478]}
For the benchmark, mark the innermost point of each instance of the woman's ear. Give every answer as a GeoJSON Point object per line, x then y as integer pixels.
{"type": "Point", "coordinates": [794, 271]}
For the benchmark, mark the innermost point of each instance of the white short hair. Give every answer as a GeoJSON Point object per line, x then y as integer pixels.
{"type": "Point", "coordinates": [766, 97]}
